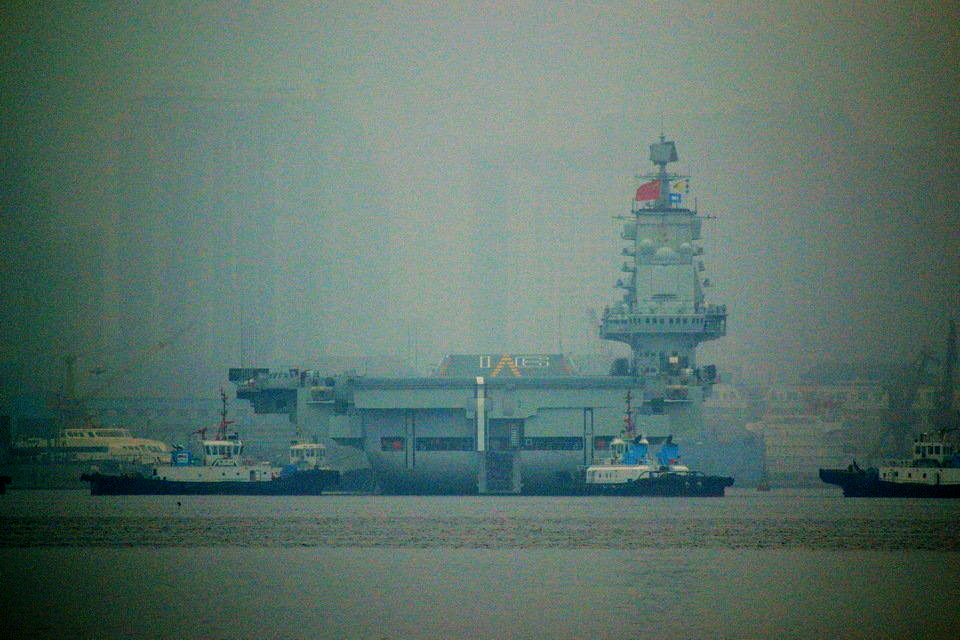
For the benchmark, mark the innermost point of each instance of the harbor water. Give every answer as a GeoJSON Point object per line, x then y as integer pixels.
{"type": "Point", "coordinates": [785, 564]}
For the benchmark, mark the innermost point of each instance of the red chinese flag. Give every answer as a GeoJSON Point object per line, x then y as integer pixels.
{"type": "Point", "coordinates": [648, 191]}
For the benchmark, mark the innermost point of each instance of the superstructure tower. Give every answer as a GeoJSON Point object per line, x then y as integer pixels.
{"type": "Point", "coordinates": [664, 315]}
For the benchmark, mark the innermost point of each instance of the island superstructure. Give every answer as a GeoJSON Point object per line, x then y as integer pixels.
{"type": "Point", "coordinates": [513, 422]}
{"type": "Point", "coordinates": [664, 314]}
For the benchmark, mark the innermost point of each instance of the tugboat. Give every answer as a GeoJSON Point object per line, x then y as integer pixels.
{"type": "Point", "coordinates": [630, 471]}
{"type": "Point", "coordinates": [222, 471]}
{"type": "Point", "coordinates": [933, 472]}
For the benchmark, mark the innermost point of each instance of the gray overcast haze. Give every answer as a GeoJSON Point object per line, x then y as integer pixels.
{"type": "Point", "coordinates": [273, 185]}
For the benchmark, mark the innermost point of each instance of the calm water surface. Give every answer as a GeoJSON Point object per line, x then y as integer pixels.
{"type": "Point", "coordinates": [800, 564]}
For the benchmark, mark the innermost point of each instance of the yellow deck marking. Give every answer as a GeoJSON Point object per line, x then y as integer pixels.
{"type": "Point", "coordinates": [506, 361]}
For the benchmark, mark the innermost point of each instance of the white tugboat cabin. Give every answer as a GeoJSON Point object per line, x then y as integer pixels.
{"type": "Point", "coordinates": [307, 455]}
{"type": "Point", "coordinates": [936, 461]}
{"type": "Point", "coordinates": [222, 460]}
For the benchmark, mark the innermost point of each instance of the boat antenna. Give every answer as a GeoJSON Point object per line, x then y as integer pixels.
{"type": "Point", "coordinates": [628, 427]}
{"type": "Point", "coordinates": [222, 427]}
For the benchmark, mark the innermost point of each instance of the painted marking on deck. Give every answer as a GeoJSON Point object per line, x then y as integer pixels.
{"type": "Point", "coordinates": [508, 362]}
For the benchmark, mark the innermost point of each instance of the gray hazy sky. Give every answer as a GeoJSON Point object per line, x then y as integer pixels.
{"type": "Point", "coordinates": [345, 178]}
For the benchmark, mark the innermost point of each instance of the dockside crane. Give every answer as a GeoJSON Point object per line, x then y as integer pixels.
{"type": "Point", "coordinates": [72, 408]}
{"type": "Point", "coordinates": [901, 418]}
{"type": "Point", "coordinates": [944, 416]}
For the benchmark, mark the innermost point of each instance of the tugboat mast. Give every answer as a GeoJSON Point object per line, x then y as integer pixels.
{"type": "Point", "coordinates": [629, 429]}
{"type": "Point", "coordinates": [222, 427]}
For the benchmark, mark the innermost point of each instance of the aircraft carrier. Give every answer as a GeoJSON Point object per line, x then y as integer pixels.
{"type": "Point", "coordinates": [528, 423]}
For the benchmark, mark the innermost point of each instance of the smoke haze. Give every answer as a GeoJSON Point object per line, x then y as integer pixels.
{"type": "Point", "coordinates": [186, 188]}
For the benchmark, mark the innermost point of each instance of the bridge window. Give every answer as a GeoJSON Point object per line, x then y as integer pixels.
{"type": "Point", "coordinates": [553, 444]}
{"type": "Point", "coordinates": [393, 444]}
{"type": "Point", "coordinates": [602, 442]}
{"type": "Point", "coordinates": [444, 444]}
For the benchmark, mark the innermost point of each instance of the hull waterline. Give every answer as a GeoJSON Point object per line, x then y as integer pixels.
{"type": "Point", "coordinates": [300, 483]}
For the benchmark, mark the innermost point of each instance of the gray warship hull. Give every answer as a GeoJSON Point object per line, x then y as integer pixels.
{"type": "Point", "coordinates": [421, 435]}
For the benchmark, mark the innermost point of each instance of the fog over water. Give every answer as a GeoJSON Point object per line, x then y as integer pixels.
{"type": "Point", "coordinates": [274, 185]}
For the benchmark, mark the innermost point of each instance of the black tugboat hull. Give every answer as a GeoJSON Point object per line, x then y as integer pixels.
{"type": "Point", "coordinates": [867, 484]}
{"type": "Point", "coordinates": [298, 483]}
{"type": "Point", "coordinates": [672, 485]}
